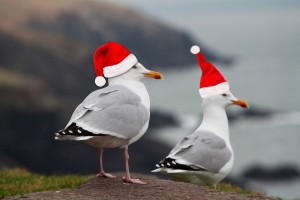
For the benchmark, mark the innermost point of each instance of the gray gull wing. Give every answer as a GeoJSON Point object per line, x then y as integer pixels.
{"type": "Point", "coordinates": [114, 110]}
{"type": "Point", "coordinates": [202, 150]}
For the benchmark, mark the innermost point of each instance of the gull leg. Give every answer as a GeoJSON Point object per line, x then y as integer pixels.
{"type": "Point", "coordinates": [127, 178]}
{"type": "Point", "coordinates": [102, 173]}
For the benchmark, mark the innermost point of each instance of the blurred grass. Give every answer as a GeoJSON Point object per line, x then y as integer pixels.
{"type": "Point", "coordinates": [227, 187]}
{"type": "Point", "coordinates": [19, 181]}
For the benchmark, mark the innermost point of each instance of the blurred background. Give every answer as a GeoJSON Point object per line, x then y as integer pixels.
{"type": "Point", "coordinates": [46, 70]}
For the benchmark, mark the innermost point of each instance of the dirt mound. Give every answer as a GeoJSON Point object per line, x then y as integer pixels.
{"type": "Point", "coordinates": [102, 188]}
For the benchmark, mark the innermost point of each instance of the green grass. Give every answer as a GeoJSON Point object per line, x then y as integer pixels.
{"type": "Point", "coordinates": [227, 187]}
{"type": "Point", "coordinates": [20, 181]}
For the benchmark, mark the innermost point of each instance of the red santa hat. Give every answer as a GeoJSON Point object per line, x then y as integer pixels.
{"type": "Point", "coordinates": [110, 60]}
{"type": "Point", "coordinates": [212, 82]}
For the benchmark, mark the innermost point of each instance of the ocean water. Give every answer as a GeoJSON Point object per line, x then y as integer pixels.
{"type": "Point", "coordinates": [263, 37]}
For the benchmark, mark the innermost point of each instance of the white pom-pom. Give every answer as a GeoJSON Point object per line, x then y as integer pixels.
{"type": "Point", "coordinates": [195, 49]}
{"type": "Point", "coordinates": [100, 81]}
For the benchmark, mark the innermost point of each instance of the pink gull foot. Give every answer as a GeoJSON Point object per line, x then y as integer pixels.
{"type": "Point", "coordinates": [127, 178]}
{"type": "Point", "coordinates": [102, 173]}
{"type": "Point", "coordinates": [105, 175]}
{"type": "Point", "coordinates": [134, 181]}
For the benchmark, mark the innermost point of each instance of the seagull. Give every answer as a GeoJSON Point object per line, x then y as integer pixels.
{"type": "Point", "coordinates": [117, 114]}
{"type": "Point", "coordinates": [205, 157]}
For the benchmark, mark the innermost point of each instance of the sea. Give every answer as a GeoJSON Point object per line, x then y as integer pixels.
{"type": "Point", "coordinates": [263, 37]}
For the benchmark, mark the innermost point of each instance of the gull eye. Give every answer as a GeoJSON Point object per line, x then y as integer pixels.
{"type": "Point", "coordinates": [224, 95]}
{"type": "Point", "coordinates": [134, 67]}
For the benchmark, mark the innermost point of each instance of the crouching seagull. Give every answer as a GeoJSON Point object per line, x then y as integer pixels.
{"type": "Point", "coordinates": [205, 157]}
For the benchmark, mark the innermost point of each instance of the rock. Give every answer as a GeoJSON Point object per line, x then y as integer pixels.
{"type": "Point", "coordinates": [103, 188]}
{"type": "Point", "coordinates": [28, 139]}
{"type": "Point", "coordinates": [7, 162]}
{"type": "Point", "coordinates": [280, 173]}
{"type": "Point", "coordinates": [161, 119]}
{"type": "Point", "coordinates": [253, 112]}
{"type": "Point", "coordinates": [54, 41]}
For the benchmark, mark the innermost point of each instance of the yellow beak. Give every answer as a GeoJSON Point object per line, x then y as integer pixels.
{"type": "Point", "coordinates": [240, 103]}
{"type": "Point", "coordinates": [153, 74]}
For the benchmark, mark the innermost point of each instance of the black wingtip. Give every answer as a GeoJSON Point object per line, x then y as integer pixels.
{"type": "Point", "coordinates": [172, 164]}
{"type": "Point", "coordinates": [75, 130]}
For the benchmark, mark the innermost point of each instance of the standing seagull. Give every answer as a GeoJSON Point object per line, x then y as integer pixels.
{"type": "Point", "coordinates": [205, 157]}
{"type": "Point", "coordinates": [118, 114]}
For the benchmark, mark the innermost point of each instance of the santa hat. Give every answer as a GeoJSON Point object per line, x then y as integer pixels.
{"type": "Point", "coordinates": [212, 82]}
{"type": "Point", "coordinates": [110, 60]}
